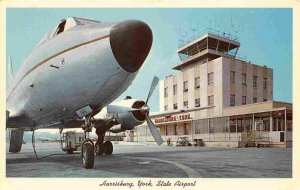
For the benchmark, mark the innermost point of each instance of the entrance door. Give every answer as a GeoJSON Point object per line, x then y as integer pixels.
{"type": "Point", "coordinates": [258, 125]}
{"type": "Point", "coordinates": [281, 136]}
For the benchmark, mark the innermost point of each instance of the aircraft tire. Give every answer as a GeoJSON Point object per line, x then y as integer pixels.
{"type": "Point", "coordinates": [99, 148]}
{"type": "Point", "coordinates": [108, 148]}
{"type": "Point", "coordinates": [88, 155]}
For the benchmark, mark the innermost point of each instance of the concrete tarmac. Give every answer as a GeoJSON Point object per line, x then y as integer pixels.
{"type": "Point", "coordinates": [135, 160]}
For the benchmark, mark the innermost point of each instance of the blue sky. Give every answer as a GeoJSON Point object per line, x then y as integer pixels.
{"type": "Point", "coordinates": [265, 36]}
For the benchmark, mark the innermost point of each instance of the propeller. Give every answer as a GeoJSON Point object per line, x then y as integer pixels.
{"type": "Point", "coordinates": [145, 110]}
{"type": "Point", "coordinates": [152, 88]}
{"type": "Point", "coordinates": [155, 133]}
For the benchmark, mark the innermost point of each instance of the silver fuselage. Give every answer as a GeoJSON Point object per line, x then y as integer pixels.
{"type": "Point", "coordinates": [72, 70]}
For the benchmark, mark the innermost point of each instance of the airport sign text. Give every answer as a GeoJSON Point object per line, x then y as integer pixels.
{"type": "Point", "coordinates": [181, 117]}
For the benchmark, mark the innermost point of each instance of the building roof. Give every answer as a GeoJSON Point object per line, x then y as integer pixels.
{"type": "Point", "coordinates": [236, 110]}
{"type": "Point", "coordinates": [207, 46]}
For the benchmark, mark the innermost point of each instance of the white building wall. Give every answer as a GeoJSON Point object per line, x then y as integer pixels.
{"type": "Point", "coordinates": [170, 93]}
{"type": "Point", "coordinates": [161, 96]}
{"type": "Point", "coordinates": [218, 86]}
{"type": "Point", "coordinates": [270, 85]}
{"type": "Point", "coordinates": [238, 83]}
{"type": "Point", "coordinates": [260, 90]}
{"type": "Point", "coordinates": [179, 90]}
{"type": "Point", "coordinates": [191, 87]}
{"type": "Point", "coordinates": [221, 88]}
{"type": "Point", "coordinates": [203, 89]}
{"type": "Point", "coordinates": [226, 82]}
{"type": "Point", "coordinates": [249, 84]}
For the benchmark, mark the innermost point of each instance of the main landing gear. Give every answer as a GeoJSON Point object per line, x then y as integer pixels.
{"type": "Point", "coordinates": [88, 149]}
{"type": "Point", "coordinates": [102, 147]}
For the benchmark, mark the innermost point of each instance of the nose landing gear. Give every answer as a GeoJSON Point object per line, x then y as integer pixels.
{"type": "Point", "coordinates": [87, 154]}
{"type": "Point", "coordinates": [87, 147]}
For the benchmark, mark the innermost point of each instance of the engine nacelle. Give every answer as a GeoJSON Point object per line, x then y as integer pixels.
{"type": "Point", "coordinates": [128, 119]}
{"type": "Point", "coordinates": [120, 128]}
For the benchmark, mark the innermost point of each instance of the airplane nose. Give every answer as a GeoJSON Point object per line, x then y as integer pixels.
{"type": "Point", "coordinates": [130, 43]}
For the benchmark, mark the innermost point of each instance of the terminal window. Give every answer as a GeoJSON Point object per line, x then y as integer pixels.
{"type": "Point", "coordinates": [254, 81]}
{"type": "Point", "coordinates": [174, 89]}
{"type": "Point", "coordinates": [197, 102]}
{"type": "Point", "coordinates": [166, 129]}
{"type": "Point", "coordinates": [232, 100]}
{"type": "Point", "coordinates": [175, 129]}
{"type": "Point", "coordinates": [186, 129]}
{"type": "Point", "coordinates": [185, 86]}
{"type": "Point", "coordinates": [244, 79]}
{"type": "Point", "coordinates": [265, 83]}
{"type": "Point", "coordinates": [186, 104]}
{"type": "Point", "coordinates": [175, 106]}
{"type": "Point", "coordinates": [254, 99]}
{"type": "Point", "coordinates": [244, 100]}
{"type": "Point", "coordinates": [166, 107]}
{"type": "Point", "coordinates": [210, 78]}
{"type": "Point", "coordinates": [197, 82]}
{"type": "Point", "coordinates": [210, 100]}
{"type": "Point", "coordinates": [232, 76]}
{"type": "Point", "coordinates": [166, 92]}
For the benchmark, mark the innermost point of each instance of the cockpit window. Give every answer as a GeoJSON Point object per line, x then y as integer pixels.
{"type": "Point", "coordinates": [85, 21]}
{"type": "Point", "coordinates": [65, 25]}
{"type": "Point", "coordinates": [61, 27]}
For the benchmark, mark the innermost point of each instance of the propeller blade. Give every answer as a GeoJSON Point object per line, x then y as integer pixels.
{"type": "Point", "coordinates": [152, 88]}
{"type": "Point", "coordinates": [155, 133]}
{"type": "Point", "coordinates": [119, 109]}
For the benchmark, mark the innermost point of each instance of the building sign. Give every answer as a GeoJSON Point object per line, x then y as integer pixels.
{"type": "Point", "coordinates": [181, 117]}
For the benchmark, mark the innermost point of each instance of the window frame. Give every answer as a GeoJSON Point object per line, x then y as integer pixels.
{"type": "Point", "coordinates": [232, 97]}
{"type": "Point", "coordinates": [174, 89]}
{"type": "Point", "coordinates": [186, 128]}
{"type": "Point", "coordinates": [175, 129]}
{"type": "Point", "coordinates": [254, 98]}
{"type": "Point", "coordinates": [185, 86]}
{"type": "Point", "coordinates": [187, 104]}
{"type": "Point", "coordinates": [175, 106]}
{"type": "Point", "coordinates": [265, 83]}
{"type": "Point", "coordinates": [232, 76]}
{"type": "Point", "coordinates": [244, 79]}
{"type": "Point", "coordinates": [166, 107]}
{"type": "Point", "coordinates": [197, 80]}
{"type": "Point", "coordinates": [210, 78]}
{"type": "Point", "coordinates": [254, 81]}
{"type": "Point", "coordinates": [211, 101]}
{"type": "Point", "coordinates": [244, 98]}
{"type": "Point", "coordinates": [196, 105]}
{"type": "Point", "coordinates": [166, 92]}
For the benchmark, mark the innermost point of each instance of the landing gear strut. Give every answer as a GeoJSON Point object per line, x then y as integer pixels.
{"type": "Point", "coordinates": [100, 147]}
{"type": "Point", "coordinates": [87, 147]}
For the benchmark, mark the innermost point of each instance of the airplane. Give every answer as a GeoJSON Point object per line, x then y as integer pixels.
{"type": "Point", "coordinates": [78, 68]}
{"type": "Point", "coordinates": [44, 139]}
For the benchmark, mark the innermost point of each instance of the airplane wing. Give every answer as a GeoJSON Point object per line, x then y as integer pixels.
{"type": "Point", "coordinates": [19, 122]}
{"type": "Point", "coordinates": [57, 125]}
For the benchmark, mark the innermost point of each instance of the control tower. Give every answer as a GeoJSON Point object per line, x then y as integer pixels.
{"type": "Point", "coordinates": [205, 49]}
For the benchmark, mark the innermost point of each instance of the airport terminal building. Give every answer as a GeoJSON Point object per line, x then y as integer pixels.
{"type": "Point", "coordinates": [217, 99]}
